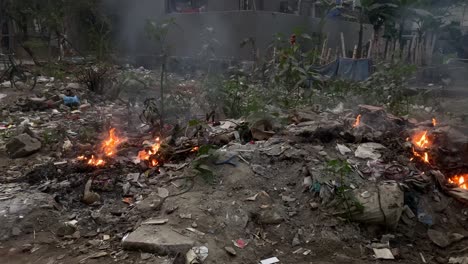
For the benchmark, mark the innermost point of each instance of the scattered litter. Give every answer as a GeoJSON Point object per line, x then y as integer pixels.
{"type": "Point", "coordinates": [195, 231]}
{"type": "Point", "coordinates": [366, 194]}
{"type": "Point", "coordinates": [99, 255]}
{"type": "Point", "coordinates": [369, 151]}
{"type": "Point", "coordinates": [383, 253]}
{"type": "Point", "coordinates": [253, 198]}
{"type": "Point", "coordinates": [185, 216]}
{"type": "Point", "coordinates": [270, 260]}
{"type": "Point", "coordinates": [458, 260]}
{"type": "Point", "coordinates": [156, 221]}
{"type": "Point", "coordinates": [231, 251]}
{"type": "Point", "coordinates": [299, 251]}
{"type": "Point", "coordinates": [163, 192]}
{"type": "Point", "coordinates": [67, 145]}
{"type": "Point", "coordinates": [60, 163]}
{"type": "Point", "coordinates": [423, 259]}
{"type": "Point", "coordinates": [314, 205]}
{"type": "Point", "coordinates": [128, 200]}
{"type": "Point", "coordinates": [105, 237]}
{"type": "Point", "coordinates": [196, 255]}
{"type": "Point", "coordinates": [240, 243]}
{"type": "Point", "coordinates": [307, 182]}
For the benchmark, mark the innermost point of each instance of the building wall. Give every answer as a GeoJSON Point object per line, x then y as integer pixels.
{"type": "Point", "coordinates": [230, 28]}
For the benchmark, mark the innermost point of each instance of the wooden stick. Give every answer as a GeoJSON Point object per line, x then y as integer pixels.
{"type": "Point", "coordinates": [315, 54]}
{"type": "Point", "coordinates": [343, 47]}
{"type": "Point", "coordinates": [369, 51]}
{"type": "Point", "coordinates": [324, 47]}
{"type": "Point", "coordinates": [406, 50]}
{"type": "Point", "coordinates": [413, 45]}
{"type": "Point", "coordinates": [355, 52]}
{"type": "Point", "coordinates": [328, 55]}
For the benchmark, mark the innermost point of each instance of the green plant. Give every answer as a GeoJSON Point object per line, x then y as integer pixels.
{"type": "Point", "coordinates": [96, 77]}
{"type": "Point", "coordinates": [388, 86]}
{"type": "Point", "coordinates": [200, 165]}
{"type": "Point", "coordinates": [289, 70]}
{"type": "Point", "coordinates": [51, 136]}
{"type": "Point", "coordinates": [342, 170]}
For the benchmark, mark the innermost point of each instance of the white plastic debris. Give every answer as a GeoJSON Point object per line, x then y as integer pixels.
{"type": "Point", "coordinates": [307, 181]}
{"type": "Point", "coordinates": [5, 84]}
{"type": "Point", "coordinates": [196, 255]}
{"type": "Point", "coordinates": [368, 151]}
{"type": "Point", "coordinates": [67, 145]}
{"type": "Point", "coordinates": [383, 253]}
{"type": "Point", "coordinates": [338, 109]}
{"type": "Point", "coordinates": [458, 260]}
{"type": "Point", "coordinates": [270, 260]}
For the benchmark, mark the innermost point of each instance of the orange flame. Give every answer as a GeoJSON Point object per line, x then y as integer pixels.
{"type": "Point", "coordinates": [434, 122]}
{"type": "Point", "coordinates": [93, 161]}
{"type": "Point", "coordinates": [358, 121]}
{"type": "Point", "coordinates": [459, 180]}
{"type": "Point", "coordinates": [195, 149]}
{"type": "Point", "coordinates": [421, 141]}
{"type": "Point", "coordinates": [109, 146]}
{"type": "Point", "coordinates": [147, 154]}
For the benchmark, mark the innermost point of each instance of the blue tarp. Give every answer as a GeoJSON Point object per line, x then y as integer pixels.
{"type": "Point", "coordinates": [347, 69]}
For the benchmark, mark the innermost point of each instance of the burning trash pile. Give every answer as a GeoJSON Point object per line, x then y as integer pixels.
{"type": "Point", "coordinates": [107, 150]}
{"type": "Point", "coordinates": [150, 155]}
{"type": "Point", "coordinates": [433, 145]}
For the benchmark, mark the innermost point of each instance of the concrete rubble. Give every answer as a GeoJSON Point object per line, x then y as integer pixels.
{"type": "Point", "coordinates": [161, 240]}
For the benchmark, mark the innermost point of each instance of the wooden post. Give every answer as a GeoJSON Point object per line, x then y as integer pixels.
{"type": "Point", "coordinates": [413, 45]}
{"type": "Point", "coordinates": [355, 52]}
{"type": "Point", "coordinates": [328, 56]}
{"type": "Point", "coordinates": [337, 53]}
{"type": "Point", "coordinates": [343, 47]}
{"type": "Point", "coordinates": [314, 51]}
{"type": "Point", "coordinates": [324, 47]}
{"type": "Point", "coordinates": [369, 51]}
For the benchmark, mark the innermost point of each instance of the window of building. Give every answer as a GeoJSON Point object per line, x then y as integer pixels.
{"type": "Point", "coordinates": [186, 6]}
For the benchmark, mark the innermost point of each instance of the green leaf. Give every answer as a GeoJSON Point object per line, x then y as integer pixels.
{"type": "Point", "coordinates": [194, 122]}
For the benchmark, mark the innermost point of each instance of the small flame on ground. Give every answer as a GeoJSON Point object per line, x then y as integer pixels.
{"type": "Point", "coordinates": [147, 154]}
{"type": "Point", "coordinates": [459, 180]}
{"type": "Point", "coordinates": [109, 146]}
{"type": "Point", "coordinates": [434, 122]}
{"type": "Point", "coordinates": [195, 149]}
{"type": "Point", "coordinates": [421, 140]}
{"type": "Point", "coordinates": [358, 121]}
{"type": "Point", "coordinates": [93, 161]}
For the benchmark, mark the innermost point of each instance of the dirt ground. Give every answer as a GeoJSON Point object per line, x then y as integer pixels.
{"type": "Point", "coordinates": [37, 197]}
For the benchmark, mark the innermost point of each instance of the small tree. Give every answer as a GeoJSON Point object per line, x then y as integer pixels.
{"type": "Point", "coordinates": [158, 33]}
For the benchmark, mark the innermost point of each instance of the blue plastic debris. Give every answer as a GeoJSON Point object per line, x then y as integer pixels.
{"type": "Point", "coordinates": [71, 100]}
